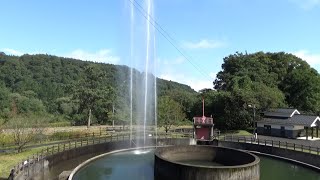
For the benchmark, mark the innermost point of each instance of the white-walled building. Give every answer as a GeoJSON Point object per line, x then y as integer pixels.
{"type": "Point", "coordinates": [287, 123]}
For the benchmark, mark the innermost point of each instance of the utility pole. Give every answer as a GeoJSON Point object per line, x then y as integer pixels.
{"type": "Point", "coordinates": [113, 115]}
{"type": "Point", "coordinates": [254, 119]}
{"type": "Point", "coordinates": [203, 117]}
{"type": "Point", "coordinates": [89, 119]}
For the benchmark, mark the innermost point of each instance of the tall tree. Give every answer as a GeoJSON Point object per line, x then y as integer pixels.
{"type": "Point", "coordinates": [169, 113]}
{"type": "Point", "coordinates": [89, 93]}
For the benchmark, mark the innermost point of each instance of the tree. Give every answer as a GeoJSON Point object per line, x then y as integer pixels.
{"type": "Point", "coordinates": [58, 85]}
{"type": "Point", "coordinates": [89, 93]}
{"type": "Point", "coordinates": [302, 89]}
{"type": "Point", "coordinates": [25, 130]}
{"type": "Point", "coordinates": [4, 102]}
{"type": "Point", "coordinates": [169, 113]}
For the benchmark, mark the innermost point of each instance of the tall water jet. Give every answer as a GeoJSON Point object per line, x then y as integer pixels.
{"type": "Point", "coordinates": [146, 72]}
{"type": "Point", "coordinates": [142, 58]}
{"type": "Point", "coordinates": [131, 69]}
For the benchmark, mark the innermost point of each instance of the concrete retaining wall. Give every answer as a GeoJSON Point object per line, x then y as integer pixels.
{"type": "Point", "coordinates": [41, 170]}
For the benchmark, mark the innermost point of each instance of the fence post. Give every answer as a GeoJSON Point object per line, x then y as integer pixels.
{"type": "Point", "coordinates": [75, 144]}
{"type": "Point", "coordinates": [309, 149]}
{"type": "Point", "coordinates": [279, 144]}
{"type": "Point", "coordinates": [294, 146]}
{"type": "Point", "coordinates": [28, 162]}
{"type": "Point", "coordinates": [302, 148]}
{"type": "Point", "coordinates": [64, 146]}
{"type": "Point", "coordinates": [286, 145]}
{"type": "Point", "coordinates": [272, 143]}
{"type": "Point", "coordinates": [69, 144]}
{"type": "Point", "coordinates": [317, 151]}
{"type": "Point", "coordinates": [265, 142]}
{"type": "Point", "coordinates": [58, 147]}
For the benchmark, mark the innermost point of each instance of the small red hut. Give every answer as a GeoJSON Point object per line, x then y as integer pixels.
{"type": "Point", "coordinates": [203, 127]}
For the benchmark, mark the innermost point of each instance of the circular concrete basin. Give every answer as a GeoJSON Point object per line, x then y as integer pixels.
{"type": "Point", "coordinates": [205, 163]}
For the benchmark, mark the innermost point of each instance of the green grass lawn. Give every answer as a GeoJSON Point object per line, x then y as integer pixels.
{"type": "Point", "coordinates": [12, 159]}
{"type": "Point", "coordinates": [237, 133]}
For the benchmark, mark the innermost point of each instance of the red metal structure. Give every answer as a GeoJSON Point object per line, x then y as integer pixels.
{"type": "Point", "coordinates": [203, 127]}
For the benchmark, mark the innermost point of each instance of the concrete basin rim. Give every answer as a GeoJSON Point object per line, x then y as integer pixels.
{"type": "Point", "coordinates": [255, 162]}
{"type": "Point", "coordinates": [83, 164]}
{"type": "Point", "coordinates": [306, 165]}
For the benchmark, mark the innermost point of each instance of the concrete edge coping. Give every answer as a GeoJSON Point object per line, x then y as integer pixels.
{"type": "Point", "coordinates": [83, 164]}
{"type": "Point", "coordinates": [306, 165]}
{"type": "Point", "coordinates": [255, 162]}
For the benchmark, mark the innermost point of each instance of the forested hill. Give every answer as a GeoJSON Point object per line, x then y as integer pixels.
{"type": "Point", "coordinates": [46, 83]}
{"type": "Point", "coordinates": [69, 89]}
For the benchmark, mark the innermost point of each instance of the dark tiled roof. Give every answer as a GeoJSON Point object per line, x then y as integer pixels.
{"type": "Point", "coordinates": [281, 112]}
{"type": "Point", "coordinates": [303, 120]}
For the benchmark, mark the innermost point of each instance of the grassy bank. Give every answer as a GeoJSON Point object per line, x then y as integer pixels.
{"type": "Point", "coordinates": [12, 159]}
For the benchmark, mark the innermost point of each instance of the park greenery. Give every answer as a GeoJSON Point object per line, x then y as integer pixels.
{"type": "Point", "coordinates": [37, 91]}
{"type": "Point", "coordinates": [63, 90]}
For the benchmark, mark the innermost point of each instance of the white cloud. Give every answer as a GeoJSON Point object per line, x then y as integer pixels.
{"type": "Point", "coordinates": [12, 52]}
{"type": "Point", "coordinates": [174, 61]}
{"type": "Point", "coordinates": [204, 44]}
{"type": "Point", "coordinates": [103, 56]}
{"type": "Point", "coordinates": [307, 4]}
{"type": "Point", "coordinates": [194, 83]}
{"type": "Point", "coordinates": [312, 59]}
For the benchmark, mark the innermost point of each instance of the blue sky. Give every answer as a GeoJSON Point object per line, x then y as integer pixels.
{"type": "Point", "coordinates": [205, 30]}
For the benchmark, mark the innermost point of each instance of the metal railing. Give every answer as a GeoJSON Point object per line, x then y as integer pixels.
{"type": "Point", "coordinates": [26, 166]}
{"type": "Point", "coordinates": [202, 120]}
{"type": "Point", "coordinates": [274, 143]}
{"type": "Point", "coordinates": [41, 138]}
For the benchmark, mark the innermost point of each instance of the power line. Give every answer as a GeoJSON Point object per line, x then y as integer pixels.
{"type": "Point", "coordinates": [166, 35]}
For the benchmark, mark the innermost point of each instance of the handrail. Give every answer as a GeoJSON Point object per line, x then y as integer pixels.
{"type": "Point", "coordinates": [274, 143]}
{"type": "Point", "coordinates": [202, 120]}
{"type": "Point", "coordinates": [71, 144]}
{"type": "Point", "coordinates": [91, 140]}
